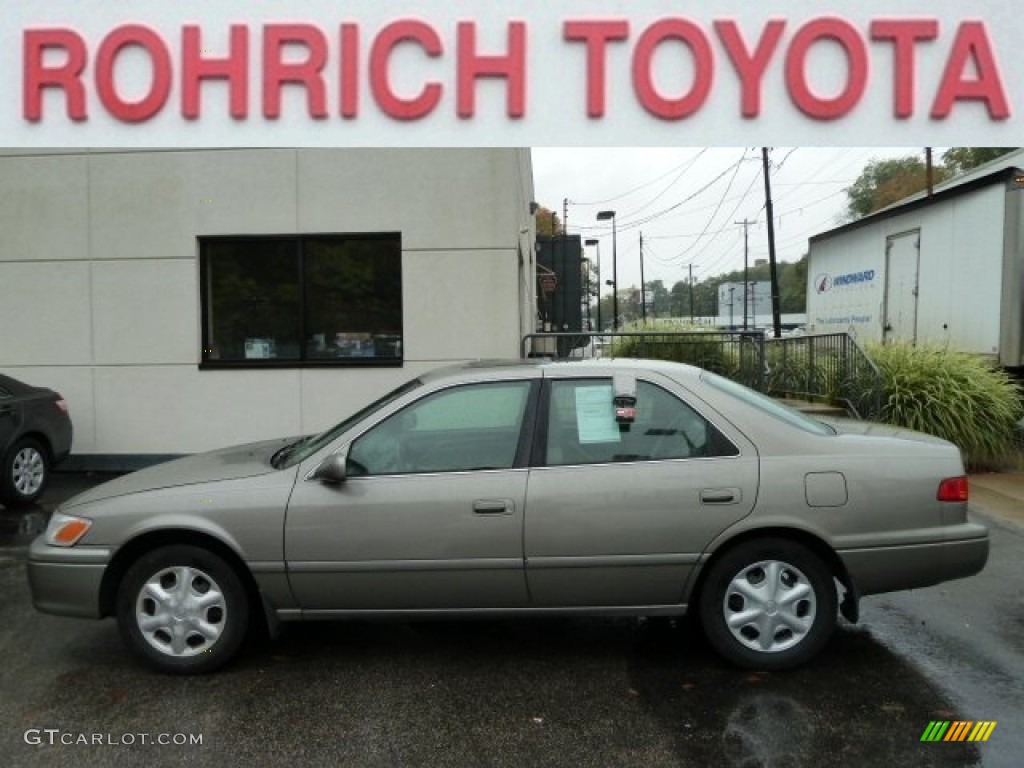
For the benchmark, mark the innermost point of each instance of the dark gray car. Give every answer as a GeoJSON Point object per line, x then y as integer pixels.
{"type": "Point", "coordinates": [35, 434]}
{"type": "Point", "coordinates": [614, 487]}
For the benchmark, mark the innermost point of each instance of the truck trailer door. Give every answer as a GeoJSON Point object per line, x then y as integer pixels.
{"type": "Point", "coordinates": [902, 261]}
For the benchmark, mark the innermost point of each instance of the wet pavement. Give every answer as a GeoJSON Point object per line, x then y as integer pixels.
{"type": "Point", "coordinates": [573, 692]}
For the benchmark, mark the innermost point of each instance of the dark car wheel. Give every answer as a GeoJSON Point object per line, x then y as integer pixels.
{"type": "Point", "coordinates": [183, 610]}
{"type": "Point", "coordinates": [26, 468]}
{"type": "Point", "coordinates": [769, 604]}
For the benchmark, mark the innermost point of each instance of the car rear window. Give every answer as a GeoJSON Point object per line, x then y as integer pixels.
{"type": "Point", "coordinates": [767, 405]}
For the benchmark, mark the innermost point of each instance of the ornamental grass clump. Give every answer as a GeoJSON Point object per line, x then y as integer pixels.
{"type": "Point", "coordinates": [953, 395]}
{"type": "Point", "coordinates": [681, 343]}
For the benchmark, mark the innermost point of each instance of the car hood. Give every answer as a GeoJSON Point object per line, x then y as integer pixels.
{"type": "Point", "coordinates": [224, 464]}
{"type": "Point", "coordinates": [871, 429]}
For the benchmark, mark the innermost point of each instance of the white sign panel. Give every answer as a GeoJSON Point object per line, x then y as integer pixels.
{"type": "Point", "coordinates": [595, 415]}
{"type": "Point", "coordinates": [490, 73]}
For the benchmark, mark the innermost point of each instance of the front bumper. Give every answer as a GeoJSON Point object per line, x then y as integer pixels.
{"type": "Point", "coordinates": [908, 566]}
{"type": "Point", "coordinates": [65, 581]}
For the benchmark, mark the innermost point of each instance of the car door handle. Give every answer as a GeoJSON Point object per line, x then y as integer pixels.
{"type": "Point", "coordinates": [494, 506]}
{"type": "Point", "coordinates": [721, 496]}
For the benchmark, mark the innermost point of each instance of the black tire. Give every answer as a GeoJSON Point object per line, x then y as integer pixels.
{"type": "Point", "coordinates": [202, 590]}
{"type": "Point", "coordinates": [783, 630]}
{"type": "Point", "coordinates": [25, 472]}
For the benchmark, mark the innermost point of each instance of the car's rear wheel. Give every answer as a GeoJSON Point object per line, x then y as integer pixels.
{"type": "Point", "coordinates": [768, 604]}
{"type": "Point", "coordinates": [182, 609]}
{"type": "Point", "coordinates": [26, 469]}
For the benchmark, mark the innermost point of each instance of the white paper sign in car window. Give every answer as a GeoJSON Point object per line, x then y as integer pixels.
{"type": "Point", "coordinates": [595, 415]}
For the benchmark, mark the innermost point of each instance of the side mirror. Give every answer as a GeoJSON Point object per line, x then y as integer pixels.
{"type": "Point", "coordinates": [331, 470]}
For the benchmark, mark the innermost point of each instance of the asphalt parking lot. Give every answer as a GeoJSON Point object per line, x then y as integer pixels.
{"type": "Point", "coordinates": [573, 692]}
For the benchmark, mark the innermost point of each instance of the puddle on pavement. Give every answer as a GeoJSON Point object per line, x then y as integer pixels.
{"type": "Point", "coordinates": [857, 704]}
{"type": "Point", "coordinates": [18, 528]}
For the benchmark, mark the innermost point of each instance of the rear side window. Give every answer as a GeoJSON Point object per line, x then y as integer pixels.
{"type": "Point", "coordinates": [582, 428]}
{"type": "Point", "coordinates": [767, 405]}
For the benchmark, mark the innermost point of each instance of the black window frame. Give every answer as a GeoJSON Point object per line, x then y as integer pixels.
{"type": "Point", "coordinates": [303, 361]}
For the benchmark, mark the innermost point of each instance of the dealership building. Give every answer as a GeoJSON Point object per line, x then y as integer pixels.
{"type": "Point", "coordinates": [182, 300]}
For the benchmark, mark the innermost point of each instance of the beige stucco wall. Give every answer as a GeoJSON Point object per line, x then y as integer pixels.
{"type": "Point", "coordinates": [99, 287]}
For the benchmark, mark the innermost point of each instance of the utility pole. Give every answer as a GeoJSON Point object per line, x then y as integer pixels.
{"type": "Point", "coordinates": [604, 216]}
{"type": "Point", "coordinates": [769, 212]}
{"type": "Point", "coordinates": [691, 293]}
{"type": "Point", "coordinates": [565, 215]}
{"type": "Point", "coordinates": [746, 271]}
{"type": "Point", "coordinates": [643, 290]}
{"type": "Point", "coordinates": [929, 170]}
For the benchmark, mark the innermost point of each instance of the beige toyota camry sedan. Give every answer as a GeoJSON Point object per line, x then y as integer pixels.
{"type": "Point", "coordinates": [524, 488]}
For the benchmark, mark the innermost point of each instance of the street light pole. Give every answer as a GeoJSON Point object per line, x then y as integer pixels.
{"type": "Point", "coordinates": [604, 216]}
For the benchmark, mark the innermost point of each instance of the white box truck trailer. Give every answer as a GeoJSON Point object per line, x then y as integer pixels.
{"type": "Point", "coordinates": [946, 270]}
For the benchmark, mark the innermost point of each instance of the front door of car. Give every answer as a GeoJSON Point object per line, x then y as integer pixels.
{"type": "Point", "coordinates": [430, 515]}
{"type": "Point", "coordinates": [618, 514]}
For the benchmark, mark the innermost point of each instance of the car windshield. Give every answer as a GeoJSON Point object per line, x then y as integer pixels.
{"type": "Point", "coordinates": [767, 405]}
{"type": "Point", "coordinates": [296, 452]}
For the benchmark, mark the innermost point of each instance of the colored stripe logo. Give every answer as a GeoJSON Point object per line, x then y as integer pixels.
{"type": "Point", "coordinates": [958, 730]}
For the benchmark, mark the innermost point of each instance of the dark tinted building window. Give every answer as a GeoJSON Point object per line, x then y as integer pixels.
{"type": "Point", "coordinates": [324, 299]}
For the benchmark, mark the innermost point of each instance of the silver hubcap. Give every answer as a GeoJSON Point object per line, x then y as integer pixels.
{"type": "Point", "coordinates": [181, 611]}
{"type": "Point", "coordinates": [29, 471]}
{"type": "Point", "coordinates": [769, 606]}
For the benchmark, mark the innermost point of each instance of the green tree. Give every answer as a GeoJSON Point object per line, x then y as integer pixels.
{"type": "Point", "coordinates": [884, 182]}
{"type": "Point", "coordinates": [548, 222]}
{"type": "Point", "coordinates": [659, 304]}
{"type": "Point", "coordinates": [962, 159]}
{"type": "Point", "coordinates": [793, 286]}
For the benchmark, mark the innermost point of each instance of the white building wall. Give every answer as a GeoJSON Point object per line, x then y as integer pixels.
{"type": "Point", "coordinates": [959, 279]}
{"type": "Point", "coordinates": [99, 285]}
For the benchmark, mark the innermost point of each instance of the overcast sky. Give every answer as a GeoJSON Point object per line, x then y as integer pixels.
{"type": "Point", "coordinates": [685, 202]}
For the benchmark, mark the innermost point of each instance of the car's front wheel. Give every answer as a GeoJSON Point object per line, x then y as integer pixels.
{"type": "Point", "coordinates": [183, 609]}
{"type": "Point", "coordinates": [769, 604]}
{"type": "Point", "coordinates": [26, 468]}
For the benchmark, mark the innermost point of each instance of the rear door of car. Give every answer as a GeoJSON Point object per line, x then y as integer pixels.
{"type": "Point", "coordinates": [431, 514]}
{"type": "Point", "coordinates": [618, 514]}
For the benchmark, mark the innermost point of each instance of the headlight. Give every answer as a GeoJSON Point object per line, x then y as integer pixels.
{"type": "Point", "coordinates": [66, 530]}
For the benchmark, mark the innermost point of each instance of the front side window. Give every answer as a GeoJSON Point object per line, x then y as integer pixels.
{"type": "Point", "coordinates": [317, 299]}
{"type": "Point", "coordinates": [472, 427]}
{"type": "Point", "coordinates": [582, 426]}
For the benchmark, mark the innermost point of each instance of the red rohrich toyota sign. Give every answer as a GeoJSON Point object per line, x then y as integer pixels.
{"type": "Point", "coordinates": [494, 73]}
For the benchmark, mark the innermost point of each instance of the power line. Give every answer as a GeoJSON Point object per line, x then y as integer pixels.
{"type": "Point", "coordinates": [750, 186]}
{"type": "Point", "coordinates": [652, 217]}
{"type": "Point", "coordinates": [688, 163]}
{"type": "Point", "coordinates": [718, 207]}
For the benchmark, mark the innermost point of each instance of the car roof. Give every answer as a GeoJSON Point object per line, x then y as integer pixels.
{"type": "Point", "coordinates": [543, 366]}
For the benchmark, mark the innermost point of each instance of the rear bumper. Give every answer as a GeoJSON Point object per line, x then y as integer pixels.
{"type": "Point", "coordinates": [888, 569]}
{"type": "Point", "coordinates": [61, 441]}
{"type": "Point", "coordinates": [66, 581]}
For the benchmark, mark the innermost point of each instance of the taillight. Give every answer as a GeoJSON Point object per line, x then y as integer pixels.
{"type": "Point", "coordinates": [953, 489]}
{"type": "Point", "coordinates": [62, 405]}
